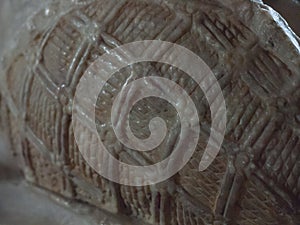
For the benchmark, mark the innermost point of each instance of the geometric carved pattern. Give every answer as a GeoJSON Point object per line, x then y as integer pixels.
{"type": "Point", "coordinates": [258, 167]}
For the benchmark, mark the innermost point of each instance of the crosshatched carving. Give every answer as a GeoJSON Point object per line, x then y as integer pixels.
{"type": "Point", "coordinates": [256, 177]}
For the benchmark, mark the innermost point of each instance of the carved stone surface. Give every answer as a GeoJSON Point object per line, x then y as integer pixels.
{"type": "Point", "coordinates": [256, 177]}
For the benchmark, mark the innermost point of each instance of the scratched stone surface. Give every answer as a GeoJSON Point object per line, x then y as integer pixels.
{"type": "Point", "coordinates": [255, 180]}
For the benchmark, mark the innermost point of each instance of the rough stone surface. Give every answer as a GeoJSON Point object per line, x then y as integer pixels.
{"type": "Point", "coordinates": [256, 59]}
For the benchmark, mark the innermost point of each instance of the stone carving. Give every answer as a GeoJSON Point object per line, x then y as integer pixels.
{"type": "Point", "coordinates": [256, 177]}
